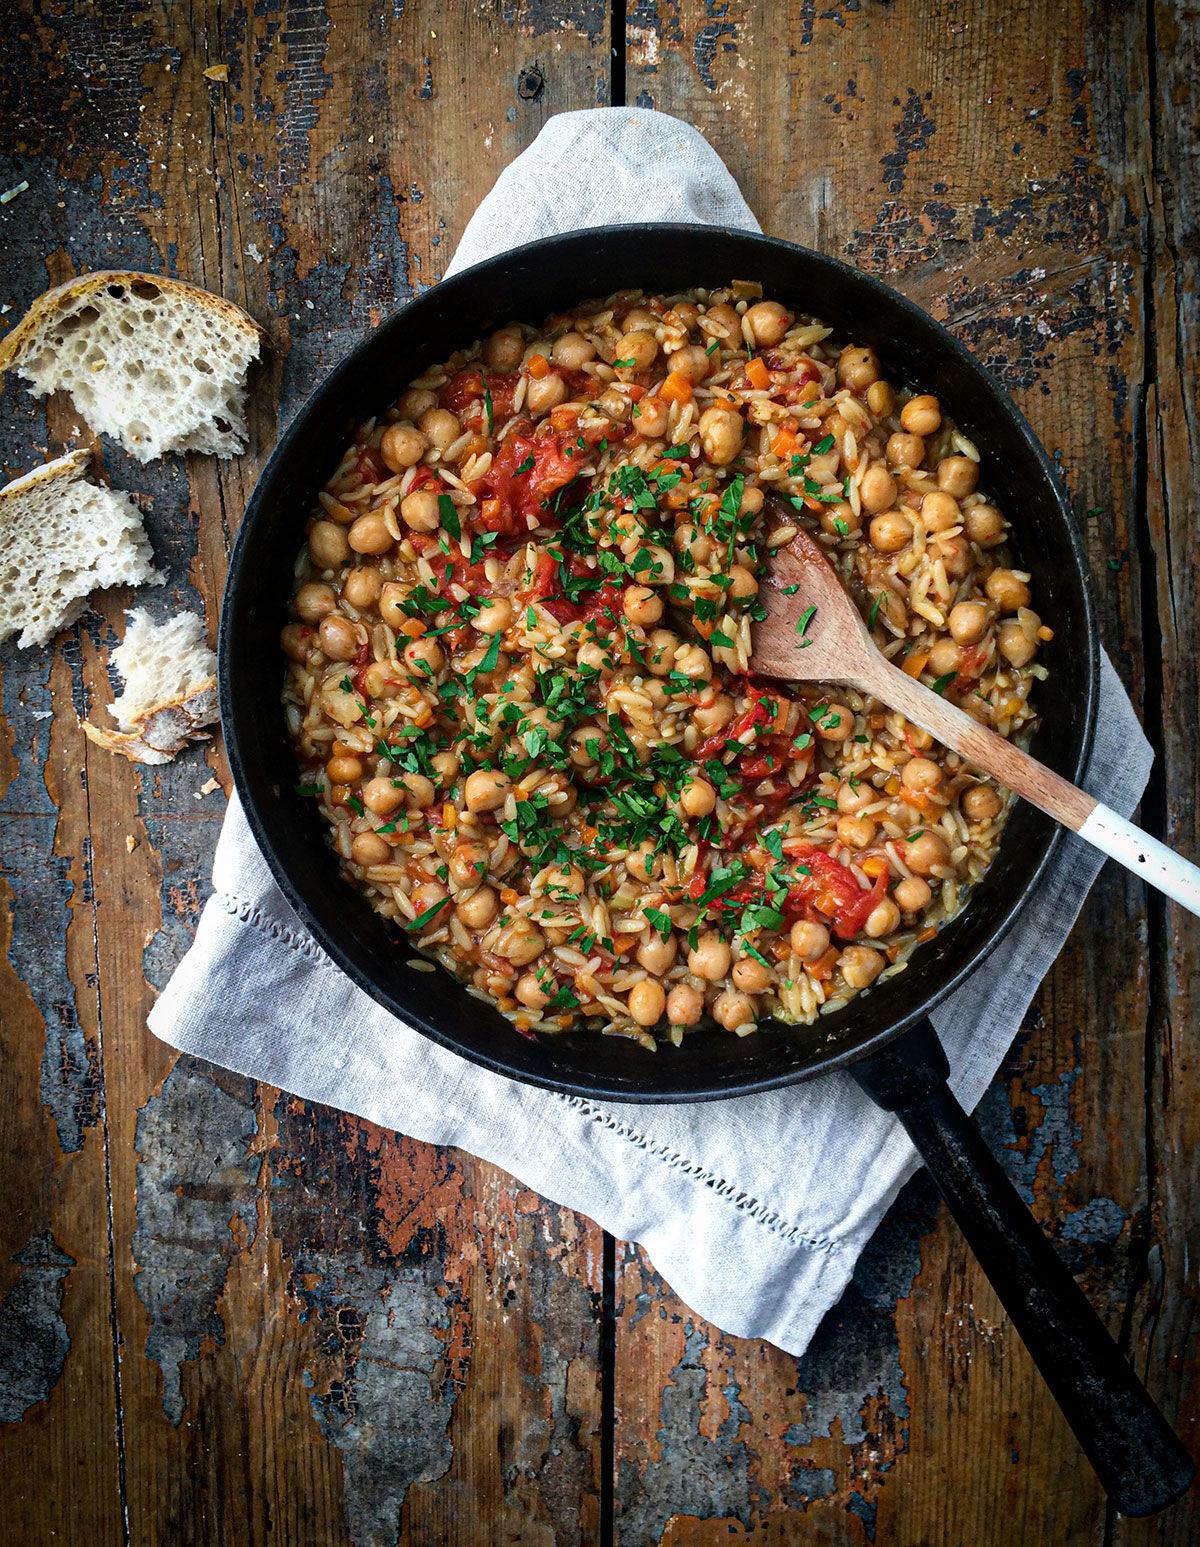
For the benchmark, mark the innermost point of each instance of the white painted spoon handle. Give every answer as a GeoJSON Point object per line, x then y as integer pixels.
{"type": "Point", "coordinates": [1144, 856]}
{"type": "Point", "coordinates": [1156, 864]}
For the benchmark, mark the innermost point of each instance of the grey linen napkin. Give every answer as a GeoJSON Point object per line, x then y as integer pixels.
{"type": "Point", "coordinates": [754, 1209]}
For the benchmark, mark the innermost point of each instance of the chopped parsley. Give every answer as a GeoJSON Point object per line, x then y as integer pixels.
{"type": "Point", "coordinates": [448, 514]}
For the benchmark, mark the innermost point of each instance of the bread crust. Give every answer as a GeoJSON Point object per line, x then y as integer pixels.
{"type": "Point", "coordinates": [164, 729]}
{"type": "Point", "coordinates": [55, 302]}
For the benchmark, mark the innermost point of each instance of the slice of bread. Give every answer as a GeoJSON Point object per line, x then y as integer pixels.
{"type": "Point", "coordinates": [157, 364]}
{"type": "Point", "coordinates": [170, 693]}
{"type": "Point", "coordinates": [61, 537]}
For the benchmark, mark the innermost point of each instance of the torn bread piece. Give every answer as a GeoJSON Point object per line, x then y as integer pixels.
{"type": "Point", "coordinates": [62, 537]}
{"type": "Point", "coordinates": [170, 693]}
{"type": "Point", "coordinates": [157, 364]}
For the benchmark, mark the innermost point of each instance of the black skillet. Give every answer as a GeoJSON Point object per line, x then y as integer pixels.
{"type": "Point", "coordinates": [884, 1038]}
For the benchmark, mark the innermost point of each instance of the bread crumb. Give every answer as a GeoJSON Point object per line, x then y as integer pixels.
{"type": "Point", "coordinates": [131, 843]}
{"type": "Point", "coordinates": [217, 72]}
{"type": "Point", "coordinates": [207, 788]}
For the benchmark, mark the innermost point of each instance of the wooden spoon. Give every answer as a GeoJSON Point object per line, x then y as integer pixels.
{"type": "Point", "coordinates": [813, 633]}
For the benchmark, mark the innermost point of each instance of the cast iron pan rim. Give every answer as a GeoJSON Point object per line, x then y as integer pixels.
{"type": "Point", "coordinates": [597, 1089]}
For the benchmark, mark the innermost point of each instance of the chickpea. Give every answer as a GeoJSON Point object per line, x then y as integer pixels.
{"type": "Point", "coordinates": [957, 476]}
{"type": "Point", "coordinates": [734, 1009]}
{"type": "Point", "coordinates": [926, 852]}
{"type": "Point", "coordinates": [768, 321]}
{"type": "Point", "coordinates": [402, 446]}
{"type": "Point", "coordinates": [751, 975]}
{"type": "Point", "coordinates": [921, 775]}
{"type": "Point", "coordinates": [441, 427]}
{"type": "Point", "coordinates": [967, 622]}
{"type": "Point", "coordinates": [445, 767]}
{"type": "Point", "coordinates": [468, 863]}
{"type": "Point", "coordinates": [520, 942]}
{"type": "Point", "coordinates": [573, 351]}
{"type": "Point", "coordinates": [713, 716]}
{"type": "Point", "coordinates": [743, 584]}
{"type": "Point", "coordinates": [578, 750]}
{"type": "Point", "coordinates": [697, 798]}
{"type": "Point", "coordinates": [486, 789]}
{"type": "Point", "coordinates": [921, 415]}
{"type": "Point", "coordinates": [382, 796]}
{"type": "Point", "coordinates": [840, 520]}
{"type": "Point", "coordinates": [657, 954]}
{"type": "Point", "coordinates": [856, 832]}
{"type": "Point", "coordinates": [614, 404]}
{"type": "Point", "coordinates": [647, 1001]}
{"type": "Point", "coordinates": [362, 588]}
{"type": "Point", "coordinates": [637, 350]}
{"type": "Point", "coordinates": [420, 511]}
{"type": "Point", "coordinates": [835, 724]}
{"type": "Point", "coordinates": [545, 393]}
{"type": "Point", "coordinates": [881, 399]}
{"type": "Point", "coordinates": [809, 941]}
{"type": "Point", "coordinates": [504, 349]}
{"type": "Point", "coordinates": [660, 657]}
{"type": "Point", "coordinates": [419, 790]}
{"type": "Point", "coordinates": [344, 770]}
{"type": "Point", "coordinates": [694, 662]}
{"type": "Point", "coordinates": [980, 803]}
{"type": "Point", "coordinates": [369, 534]}
{"type": "Point", "coordinates": [650, 418]}
{"type": "Point", "coordinates": [722, 432]}
{"type": "Point", "coordinates": [857, 368]}
{"type": "Point", "coordinates": [430, 894]}
{"type": "Point", "coordinates": [753, 500]}
{"type": "Point", "coordinates": [642, 606]}
{"type": "Point", "coordinates": [391, 604]}
{"type": "Point", "coordinates": [861, 965]}
{"type": "Point", "coordinates": [1014, 644]}
{"type": "Point", "coordinates": [381, 680]}
{"type": "Point", "coordinates": [642, 863]}
{"type": "Point", "coordinates": [724, 323]}
{"type": "Point", "coordinates": [338, 637]}
{"type": "Point", "coordinates": [940, 511]}
{"type": "Point", "coordinates": [415, 402]}
{"type": "Point", "coordinates": [424, 657]}
{"type": "Point", "coordinates": [530, 992]}
{"type": "Point", "coordinates": [369, 849]}
{"type": "Point", "coordinates": [912, 894]}
{"type": "Point", "coordinates": [494, 616]}
{"type": "Point", "coordinates": [905, 450]}
{"type": "Point", "coordinates": [684, 315]}
{"type": "Point", "coordinates": [851, 798]}
{"type": "Point", "coordinates": [710, 958]}
{"type": "Point", "coordinates": [944, 657]}
{"type": "Point", "coordinates": [984, 525]}
{"type": "Point", "coordinates": [1008, 593]}
{"type": "Point", "coordinates": [890, 531]}
{"type": "Point", "coordinates": [479, 909]}
{"type": "Point", "coordinates": [293, 641]}
{"type": "Point", "coordinates": [313, 601]}
{"type": "Point", "coordinates": [692, 361]}
{"type": "Point", "coordinates": [685, 1005]}
{"type": "Point", "coordinates": [878, 489]}
{"type": "Point", "coordinates": [327, 545]}
{"type": "Point", "coordinates": [639, 319]}
{"type": "Point", "coordinates": [883, 919]}
{"type": "Point", "coordinates": [955, 554]}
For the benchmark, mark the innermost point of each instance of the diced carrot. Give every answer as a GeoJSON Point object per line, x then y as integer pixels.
{"type": "Point", "coordinates": [874, 865]}
{"type": "Point", "coordinates": [822, 968]}
{"type": "Point", "coordinates": [1045, 633]}
{"type": "Point", "coordinates": [677, 388]}
{"type": "Point", "coordinates": [449, 814]}
{"type": "Point", "coordinates": [758, 375]}
{"type": "Point", "coordinates": [564, 418]}
{"type": "Point", "coordinates": [489, 510]}
{"type": "Point", "coordinates": [891, 784]}
{"type": "Point", "coordinates": [926, 934]}
{"type": "Point", "coordinates": [635, 393]}
{"type": "Point", "coordinates": [538, 367]}
{"type": "Point", "coordinates": [785, 444]}
{"type": "Point", "coordinates": [507, 896]}
{"type": "Point", "coordinates": [917, 663]}
{"type": "Point", "coordinates": [413, 627]}
{"type": "Point", "coordinates": [678, 497]}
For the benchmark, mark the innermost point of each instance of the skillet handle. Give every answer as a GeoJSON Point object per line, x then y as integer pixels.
{"type": "Point", "coordinates": [1136, 1454]}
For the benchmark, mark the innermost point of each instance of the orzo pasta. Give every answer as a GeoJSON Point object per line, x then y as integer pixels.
{"type": "Point", "coordinates": [518, 668]}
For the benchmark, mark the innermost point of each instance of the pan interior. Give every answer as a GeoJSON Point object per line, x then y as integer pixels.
{"type": "Point", "coordinates": [526, 285]}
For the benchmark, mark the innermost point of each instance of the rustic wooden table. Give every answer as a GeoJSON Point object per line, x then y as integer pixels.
{"type": "Point", "coordinates": [230, 1316]}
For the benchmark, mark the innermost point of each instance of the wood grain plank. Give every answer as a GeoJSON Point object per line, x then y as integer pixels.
{"type": "Point", "coordinates": [323, 1327]}
{"type": "Point", "coordinates": [992, 164]}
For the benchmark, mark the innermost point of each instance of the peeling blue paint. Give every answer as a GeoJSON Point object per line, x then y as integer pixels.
{"type": "Point", "coordinates": [33, 1335]}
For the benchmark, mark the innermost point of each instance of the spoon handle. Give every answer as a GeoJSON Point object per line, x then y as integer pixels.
{"type": "Point", "coordinates": [1145, 856]}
